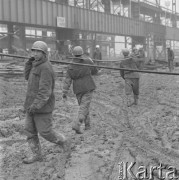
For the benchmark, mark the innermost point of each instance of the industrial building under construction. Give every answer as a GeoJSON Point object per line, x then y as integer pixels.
{"type": "Point", "coordinates": [112, 24]}
{"type": "Point", "coordinates": [67, 116]}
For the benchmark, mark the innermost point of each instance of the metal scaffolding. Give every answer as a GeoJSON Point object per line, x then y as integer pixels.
{"type": "Point", "coordinates": [154, 42]}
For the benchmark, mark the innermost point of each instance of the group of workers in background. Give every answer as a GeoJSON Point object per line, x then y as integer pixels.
{"type": "Point", "coordinates": [40, 99]}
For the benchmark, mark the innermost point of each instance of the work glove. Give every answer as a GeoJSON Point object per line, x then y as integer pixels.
{"type": "Point", "coordinates": [31, 110]}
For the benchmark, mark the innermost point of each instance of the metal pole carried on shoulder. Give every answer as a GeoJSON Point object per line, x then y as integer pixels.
{"type": "Point", "coordinates": [104, 67]}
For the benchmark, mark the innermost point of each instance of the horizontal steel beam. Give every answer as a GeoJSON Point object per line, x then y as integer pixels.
{"type": "Point", "coordinates": [44, 14]}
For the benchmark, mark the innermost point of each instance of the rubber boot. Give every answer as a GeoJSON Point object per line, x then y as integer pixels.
{"type": "Point", "coordinates": [66, 145]}
{"type": "Point", "coordinates": [87, 123]}
{"type": "Point", "coordinates": [76, 127]}
{"type": "Point", "coordinates": [36, 152]}
{"type": "Point", "coordinates": [136, 99]}
{"type": "Point", "coordinates": [129, 102]}
{"type": "Point", "coordinates": [87, 127]}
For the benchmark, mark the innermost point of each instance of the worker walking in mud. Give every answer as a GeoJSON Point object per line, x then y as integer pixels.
{"type": "Point", "coordinates": [171, 56]}
{"type": "Point", "coordinates": [141, 53]}
{"type": "Point", "coordinates": [135, 52]}
{"type": "Point", "coordinates": [40, 101]}
{"type": "Point", "coordinates": [83, 87]}
{"type": "Point", "coordinates": [131, 78]}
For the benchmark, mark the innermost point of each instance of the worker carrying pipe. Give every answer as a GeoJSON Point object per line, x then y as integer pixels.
{"type": "Point", "coordinates": [105, 67]}
{"type": "Point", "coordinates": [40, 102]}
{"type": "Point", "coordinates": [131, 78]}
{"type": "Point", "coordinates": [83, 87]}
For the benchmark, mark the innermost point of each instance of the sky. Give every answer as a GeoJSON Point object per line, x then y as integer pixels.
{"type": "Point", "coordinates": [165, 2]}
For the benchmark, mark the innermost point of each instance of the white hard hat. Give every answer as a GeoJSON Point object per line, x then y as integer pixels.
{"type": "Point", "coordinates": [97, 46]}
{"type": "Point", "coordinates": [41, 46]}
{"type": "Point", "coordinates": [125, 52]}
{"type": "Point", "coordinates": [77, 51]}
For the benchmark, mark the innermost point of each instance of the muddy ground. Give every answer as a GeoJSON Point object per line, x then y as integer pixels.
{"type": "Point", "coordinates": [147, 134]}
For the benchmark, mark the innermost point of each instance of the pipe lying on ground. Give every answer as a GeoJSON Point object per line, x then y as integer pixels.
{"type": "Point", "coordinates": [104, 67]}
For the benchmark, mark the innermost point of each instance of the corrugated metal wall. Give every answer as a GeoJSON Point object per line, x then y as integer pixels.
{"type": "Point", "coordinates": [44, 13]}
{"type": "Point", "coordinates": [172, 33]}
{"type": "Point", "coordinates": [151, 28]}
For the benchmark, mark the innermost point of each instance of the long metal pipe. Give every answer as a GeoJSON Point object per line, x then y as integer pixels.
{"type": "Point", "coordinates": [16, 56]}
{"type": "Point", "coordinates": [26, 57]}
{"type": "Point", "coordinates": [104, 67]}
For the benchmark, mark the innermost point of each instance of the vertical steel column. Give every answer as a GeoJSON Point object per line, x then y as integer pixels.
{"type": "Point", "coordinates": [147, 47]}
{"type": "Point", "coordinates": [93, 37]}
{"type": "Point", "coordinates": [139, 7]}
{"type": "Point", "coordinates": [154, 51]}
{"type": "Point", "coordinates": [125, 42]}
{"type": "Point", "coordinates": [88, 4]}
{"type": "Point", "coordinates": [174, 21]}
{"type": "Point", "coordinates": [107, 6]}
{"type": "Point", "coordinates": [75, 2]}
{"type": "Point", "coordinates": [10, 37]}
{"type": "Point", "coordinates": [174, 9]}
{"type": "Point", "coordinates": [164, 48]}
{"type": "Point", "coordinates": [84, 41]}
{"type": "Point", "coordinates": [44, 34]}
{"type": "Point", "coordinates": [23, 36]}
{"type": "Point", "coordinates": [97, 5]}
{"type": "Point", "coordinates": [158, 2]}
{"type": "Point", "coordinates": [130, 9]}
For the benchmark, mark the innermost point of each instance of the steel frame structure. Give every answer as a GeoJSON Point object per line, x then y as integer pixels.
{"type": "Point", "coordinates": [106, 7]}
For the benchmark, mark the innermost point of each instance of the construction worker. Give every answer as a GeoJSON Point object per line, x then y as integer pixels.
{"type": "Point", "coordinates": [140, 57]}
{"type": "Point", "coordinates": [171, 56]}
{"type": "Point", "coordinates": [97, 54]}
{"type": "Point", "coordinates": [39, 103]}
{"type": "Point", "coordinates": [83, 87]}
{"type": "Point", "coordinates": [135, 52]}
{"type": "Point", "coordinates": [141, 53]}
{"type": "Point", "coordinates": [131, 78]}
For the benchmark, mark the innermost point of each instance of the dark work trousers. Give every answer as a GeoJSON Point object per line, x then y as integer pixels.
{"type": "Point", "coordinates": [42, 124]}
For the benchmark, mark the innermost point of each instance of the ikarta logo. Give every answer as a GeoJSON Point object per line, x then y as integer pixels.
{"type": "Point", "coordinates": [129, 171]}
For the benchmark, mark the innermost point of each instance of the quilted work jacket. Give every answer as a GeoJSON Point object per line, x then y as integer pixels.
{"type": "Point", "coordinates": [129, 64]}
{"type": "Point", "coordinates": [81, 78]}
{"type": "Point", "coordinates": [41, 83]}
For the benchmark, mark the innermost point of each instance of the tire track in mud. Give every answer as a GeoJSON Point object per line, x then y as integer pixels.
{"type": "Point", "coordinates": [108, 127]}
{"type": "Point", "coordinates": [140, 139]}
{"type": "Point", "coordinates": [144, 138]}
{"type": "Point", "coordinates": [134, 141]}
